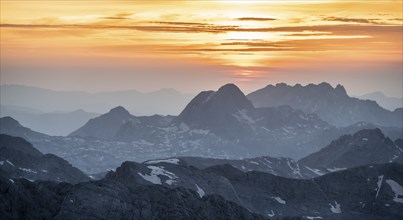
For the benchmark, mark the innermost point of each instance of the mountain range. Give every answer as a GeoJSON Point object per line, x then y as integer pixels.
{"type": "Point", "coordinates": [332, 105]}
{"type": "Point", "coordinates": [390, 103]}
{"type": "Point", "coordinates": [224, 122]}
{"type": "Point", "coordinates": [163, 101]}
{"type": "Point", "coordinates": [219, 124]}
{"type": "Point", "coordinates": [172, 190]}
{"type": "Point", "coordinates": [53, 123]}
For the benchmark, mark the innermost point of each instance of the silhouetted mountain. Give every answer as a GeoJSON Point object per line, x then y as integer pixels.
{"type": "Point", "coordinates": [390, 103]}
{"type": "Point", "coordinates": [19, 159]}
{"type": "Point", "coordinates": [212, 107]}
{"type": "Point", "coordinates": [54, 123]}
{"type": "Point", "coordinates": [12, 127]}
{"type": "Point", "coordinates": [330, 104]}
{"type": "Point", "coordinates": [163, 101]}
{"type": "Point", "coordinates": [364, 147]}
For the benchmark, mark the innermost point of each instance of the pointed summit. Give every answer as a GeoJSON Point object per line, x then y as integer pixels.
{"type": "Point", "coordinates": [340, 90]}
{"type": "Point", "coordinates": [119, 111]}
{"type": "Point", "coordinates": [232, 96]}
{"type": "Point", "coordinates": [9, 121]}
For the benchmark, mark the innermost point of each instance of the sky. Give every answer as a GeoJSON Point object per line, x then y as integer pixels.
{"type": "Point", "coordinates": [199, 45]}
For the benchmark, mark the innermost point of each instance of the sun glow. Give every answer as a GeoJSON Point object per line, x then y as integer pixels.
{"type": "Point", "coordinates": [271, 34]}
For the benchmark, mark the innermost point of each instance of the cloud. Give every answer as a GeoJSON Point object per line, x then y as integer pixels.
{"type": "Point", "coordinates": [115, 18]}
{"type": "Point", "coordinates": [181, 23]}
{"type": "Point", "coordinates": [120, 16]}
{"type": "Point", "coordinates": [256, 19]}
{"type": "Point", "coordinates": [355, 20]}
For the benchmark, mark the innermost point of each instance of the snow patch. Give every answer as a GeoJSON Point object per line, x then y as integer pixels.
{"type": "Point", "coordinates": [10, 163]}
{"type": "Point", "coordinates": [397, 189]}
{"type": "Point", "coordinates": [1, 163]}
{"type": "Point", "coordinates": [271, 214]}
{"type": "Point", "coordinates": [172, 161]}
{"type": "Point", "coordinates": [335, 169]}
{"type": "Point", "coordinates": [242, 116]}
{"type": "Point", "coordinates": [11, 180]}
{"type": "Point", "coordinates": [154, 178]}
{"type": "Point", "coordinates": [200, 191]}
{"type": "Point", "coordinates": [184, 127]}
{"type": "Point", "coordinates": [295, 171]}
{"type": "Point", "coordinates": [379, 184]}
{"type": "Point", "coordinates": [28, 170]}
{"type": "Point", "coordinates": [336, 208]}
{"type": "Point", "coordinates": [313, 217]}
{"type": "Point", "coordinates": [254, 162]}
{"type": "Point", "coordinates": [316, 171]}
{"type": "Point", "coordinates": [199, 131]}
{"type": "Point", "coordinates": [365, 139]}
{"type": "Point", "coordinates": [279, 200]}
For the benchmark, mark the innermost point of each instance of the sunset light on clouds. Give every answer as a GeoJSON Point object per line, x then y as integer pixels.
{"type": "Point", "coordinates": [191, 45]}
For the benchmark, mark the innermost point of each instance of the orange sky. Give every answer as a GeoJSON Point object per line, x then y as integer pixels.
{"type": "Point", "coordinates": [197, 45]}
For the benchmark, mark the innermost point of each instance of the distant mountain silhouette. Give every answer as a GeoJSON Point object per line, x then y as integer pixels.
{"type": "Point", "coordinates": [53, 123]}
{"type": "Point", "coordinates": [19, 159]}
{"type": "Point", "coordinates": [163, 101]}
{"type": "Point", "coordinates": [330, 104]}
{"type": "Point", "coordinates": [106, 125]}
{"type": "Point", "coordinates": [365, 147]}
{"type": "Point", "coordinates": [390, 103]}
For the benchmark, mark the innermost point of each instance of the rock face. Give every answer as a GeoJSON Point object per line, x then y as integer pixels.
{"type": "Point", "coordinates": [331, 104]}
{"type": "Point", "coordinates": [19, 159]}
{"type": "Point", "coordinates": [328, 196]}
{"type": "Point", "coordinates": [105, 199]}
{"type": "Point", "coordinates": [271, 195]}
{"type": "Point", "coordinates": [365, 147]}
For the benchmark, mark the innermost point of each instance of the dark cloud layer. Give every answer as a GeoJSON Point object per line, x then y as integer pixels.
{"type": "Point", "coordinates": [255, 19]}
{"type": "Point", "coordinates": [187, 27]}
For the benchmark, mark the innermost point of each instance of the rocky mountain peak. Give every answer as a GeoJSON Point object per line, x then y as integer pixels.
{"type": "Point", "coordinates": [119, 111]}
